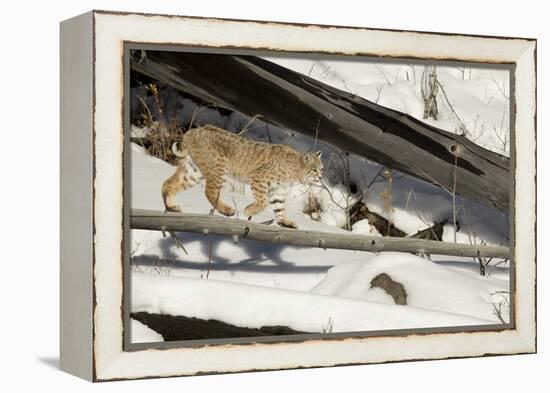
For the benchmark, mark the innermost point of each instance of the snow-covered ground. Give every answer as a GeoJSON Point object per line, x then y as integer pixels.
{"type": "Point", "coordinates": [254, 284]}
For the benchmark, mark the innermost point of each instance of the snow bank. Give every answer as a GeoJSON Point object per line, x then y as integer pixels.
{"type": "Point", "coordinates": [254, 307]}
{"type": "Point", "coordinates": [427, 284]}
{"type": "Point", "coordinates": [363, 227]}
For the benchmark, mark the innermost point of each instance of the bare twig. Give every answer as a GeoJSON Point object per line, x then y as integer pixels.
{"type": "Point", "coordinates": [504, 302]}
{"type": "Point", "coordinates": [329, 326]}
{"type": "Point", "coordinates": [461, 125]}
{"type": "Point", "coordinates": [139, 243]}
{"type": "Point", "coordinates": [379, 89]}
{"type": "Point", "coordinates": [387, 197]}
{"type": "Point", "coordinates": [317, 133]}
{"type": "Point", "coordinates": [413, 74]}
{"type": "Point", "coordinates": [375, 177]}
{"type": "Point", "coordinates": [397, 74]}
{"type": "Point", "coordinates": [383, 74]}
{"type": "Point", "coordinates": [503, 136]}
{"type": "Point", "coordinates": [428, 88]}
{"type": "Point", "coordinates": [177, 241]}
{"type": "Point", "coordinates": [501, 89]}
{"type": "Point", "coordinates": [250, 122]}
{"type": "Point", "coordinates": [455, 171]}
{"type": "Point", "coordinates": [235, 204]}
{"type": "Point", "coordinates": [461, 70]}
{"type": "Point", "coordinates": [146, 107]}
{"type": "Point", "coordinates": [268, 133]}
{"type": "Point", "coordinates": [497, 311]}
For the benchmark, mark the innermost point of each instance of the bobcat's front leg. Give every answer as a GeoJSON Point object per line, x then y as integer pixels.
{"type": "Point", "coordinates": [277, 200]}
{"type": "Point", "coordinates": [213, 190]}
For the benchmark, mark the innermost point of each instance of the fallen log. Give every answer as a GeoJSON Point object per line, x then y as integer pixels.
{"type": "Point", "coordinates": [285, 98]}
{"type": "Point", "coordinates": [241, 229]}
{"type": "Point", "coordinates": [435, 232]}
{"type": "Point", "coordinates": [360, 211]}
{"type": "Point", "coordinates": [178, 328]}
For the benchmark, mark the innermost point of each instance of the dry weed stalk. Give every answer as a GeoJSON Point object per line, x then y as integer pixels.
{"type": "Point", "coordinates": [312, 207]}
{"type": "Point", "coordinates": [386, 195]}
{"type": "Point", "coordinates": [429, 88]}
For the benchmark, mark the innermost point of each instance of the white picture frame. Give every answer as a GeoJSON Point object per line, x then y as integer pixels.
{"type": "Point", "coordinates": [92, 153]}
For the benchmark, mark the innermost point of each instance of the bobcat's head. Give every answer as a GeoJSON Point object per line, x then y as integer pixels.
{"type": "Point", "coordinates": [313, 167]}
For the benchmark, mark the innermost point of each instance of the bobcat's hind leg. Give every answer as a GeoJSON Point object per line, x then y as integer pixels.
{"type": "Point", "coordinates": [213, 190]}
{"type": "Point", "coordinates": [260, 191]}
{"type": "Point", "coordinates": [186, 176]}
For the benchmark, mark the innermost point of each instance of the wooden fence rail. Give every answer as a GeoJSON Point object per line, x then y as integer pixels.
{"type": "Point", "coordinates": [238, 229]}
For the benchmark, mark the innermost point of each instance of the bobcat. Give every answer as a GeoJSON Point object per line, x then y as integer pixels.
{"type": "Point", "coordinates": [213, 153]}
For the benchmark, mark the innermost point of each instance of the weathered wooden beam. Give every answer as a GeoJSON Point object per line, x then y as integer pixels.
{"type": "Point", "coordinates": [215, 225]}
{"type": "Point", "coordinates": [285, 98]}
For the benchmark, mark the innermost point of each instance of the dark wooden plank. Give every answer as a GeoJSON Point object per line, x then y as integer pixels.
{"type": "Point", "coordinates": [285, 98]}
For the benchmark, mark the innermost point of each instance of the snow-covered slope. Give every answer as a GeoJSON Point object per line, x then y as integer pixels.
{"type": "Point", "coordinates": [427, 284]}
{"type": "Point", "coordinates": [255, 306]}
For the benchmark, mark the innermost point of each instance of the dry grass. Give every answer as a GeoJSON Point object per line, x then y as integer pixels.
{"type": "Point", "coordinates": [313, 207]}
{"type": "Point", "coordinates": [161, 133]}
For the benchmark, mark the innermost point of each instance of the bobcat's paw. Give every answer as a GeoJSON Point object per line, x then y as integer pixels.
{"type": "Point", "coordinates": [287, 223]}
{"type": "Point", "coordinates": [252, 210]}
{"type": "Point", "coordinates": [228, 211]}
{"type": "Point", "coordinates": [173, 208]}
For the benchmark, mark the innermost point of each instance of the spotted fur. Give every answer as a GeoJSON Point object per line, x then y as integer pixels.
{"type": "Point", "coordinates": [213, 153]}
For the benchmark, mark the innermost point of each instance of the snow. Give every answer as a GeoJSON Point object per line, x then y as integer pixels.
{"type": "Point", "coordinates": [143, 334]}
{"type": "Point", "coordinates": [363, 227]}
{"type": "Point", "coordinates": [427, 284]}
{"type": "Point", "coordinates": [255, 306]}
{"type": "Point", "coordinates": [254, 284]}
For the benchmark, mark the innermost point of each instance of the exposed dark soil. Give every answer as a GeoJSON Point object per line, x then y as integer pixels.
{"type": "Point", "coordinates": [177, 328]}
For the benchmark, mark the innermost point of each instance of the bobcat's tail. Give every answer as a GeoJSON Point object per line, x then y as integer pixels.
{"type": "Point", "coordinates": [177, 152]}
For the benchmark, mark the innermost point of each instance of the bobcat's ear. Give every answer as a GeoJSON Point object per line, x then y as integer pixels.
{"type": "Point", "coordinates": [307, 155]}
{"type": "Point", "coordinates": [319, 153]}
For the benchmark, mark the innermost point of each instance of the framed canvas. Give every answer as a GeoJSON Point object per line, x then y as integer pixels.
{"type": "Point", "coordinates": [246, 195]}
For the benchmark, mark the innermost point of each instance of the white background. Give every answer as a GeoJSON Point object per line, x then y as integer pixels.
{"type": "Point", "coordinates": [29, 150]}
